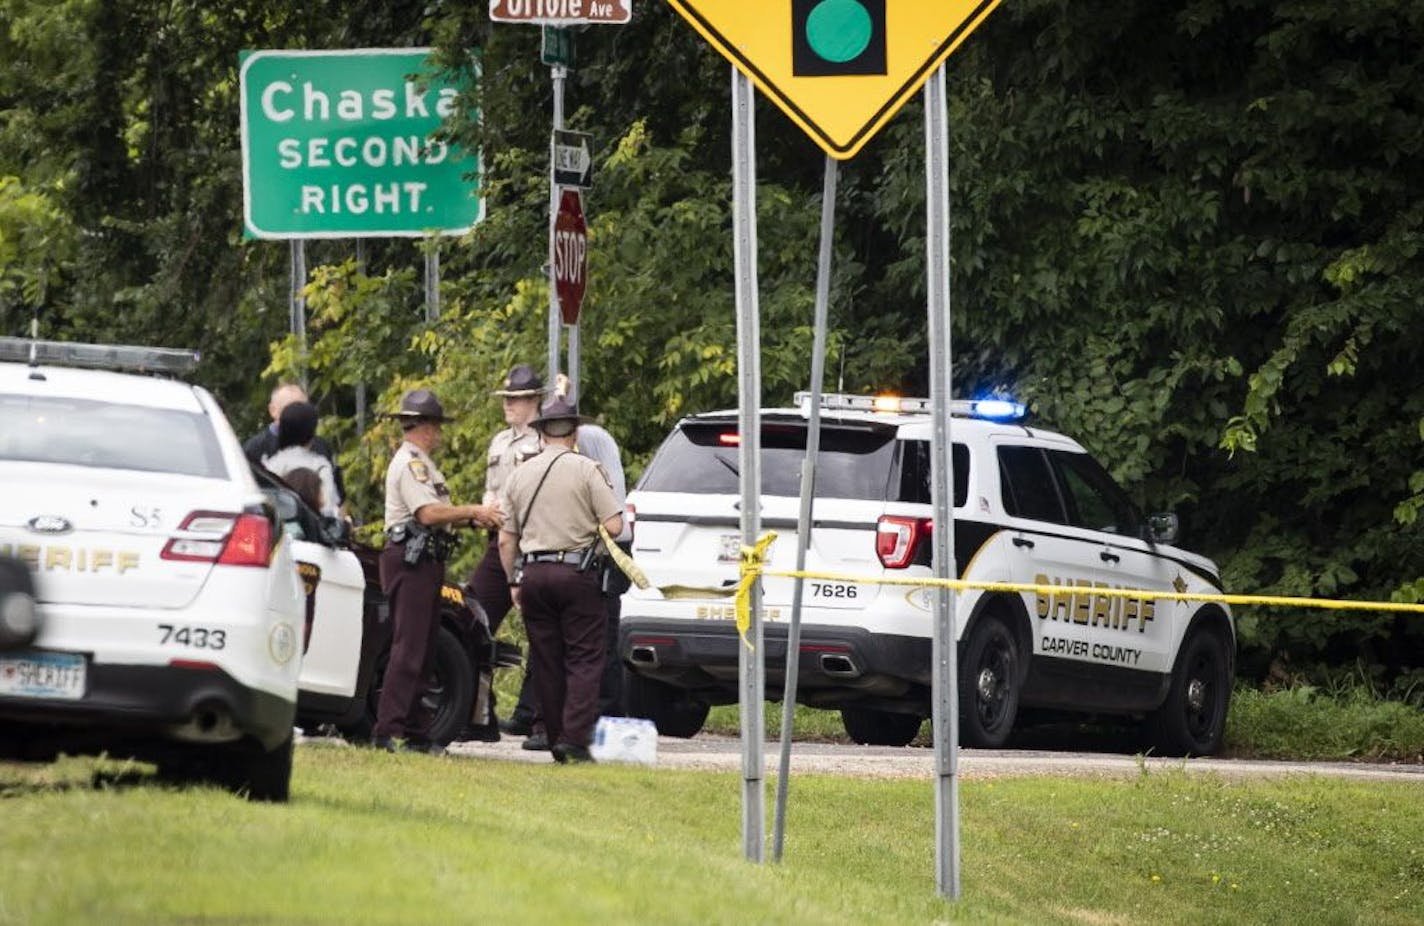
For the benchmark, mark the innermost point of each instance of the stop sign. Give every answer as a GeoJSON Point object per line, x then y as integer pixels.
{"type": "Point", "coordinates": [570, 255]}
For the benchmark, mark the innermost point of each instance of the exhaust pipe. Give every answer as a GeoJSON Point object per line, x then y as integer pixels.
{"type": "Point", "coordinates": [643, 656]}
{"type": "Point", "coordinates": [838, 665]}
{"type": "Point", "coordinates": [209, 723]}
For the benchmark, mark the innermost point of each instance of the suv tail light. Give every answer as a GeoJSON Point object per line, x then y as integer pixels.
{"type": "Point", "coordinates": [223, 538]}
{"type": "Point", "coordinates": [897, 537]}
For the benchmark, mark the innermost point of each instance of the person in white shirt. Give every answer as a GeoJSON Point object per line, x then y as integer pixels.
{"type": "Point", "coordinates": [296, 430]}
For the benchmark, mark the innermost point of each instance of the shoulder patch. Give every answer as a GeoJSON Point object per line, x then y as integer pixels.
{"type": "Point", "coordinates": [420, 471]}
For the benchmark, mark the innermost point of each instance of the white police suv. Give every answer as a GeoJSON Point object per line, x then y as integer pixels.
{"type": "Point", "coordinates": [172, 609]}
{"type": "Point", "coordinates": [1030, 506]}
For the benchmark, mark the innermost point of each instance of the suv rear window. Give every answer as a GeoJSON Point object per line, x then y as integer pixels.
{"type": "Point", "coordinates": [859, 463]}
{"type": "Point", "coordinates": [703, 458]}
{"type": "Point", "coordinates": [108, 435]}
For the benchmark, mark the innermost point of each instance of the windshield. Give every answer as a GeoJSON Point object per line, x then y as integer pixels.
{"type": "Point", "coordinates": [108, 435]}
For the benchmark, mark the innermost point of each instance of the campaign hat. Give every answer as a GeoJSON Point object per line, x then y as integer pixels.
{"type": "Point", "coordinates": [421, 404]}
{"type": "Point", "coordinates": [558, 409]}
{"type": "Point", "coordinates": [522, 381]}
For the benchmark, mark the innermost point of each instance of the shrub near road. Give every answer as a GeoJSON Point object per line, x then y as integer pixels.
{"type": "Point", "coordinates": [371, 837]}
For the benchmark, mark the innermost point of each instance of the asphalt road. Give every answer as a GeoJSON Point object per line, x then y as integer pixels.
{"type": "Point", "coordinates": [723, 753]}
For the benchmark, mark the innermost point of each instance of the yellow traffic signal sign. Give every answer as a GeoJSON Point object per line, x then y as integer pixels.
{"type": "Point", "coordinates": [839, 68]}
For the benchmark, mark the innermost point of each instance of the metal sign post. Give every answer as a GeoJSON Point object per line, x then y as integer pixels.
{"type": "Point", "coordinates": [804, 521]}
{"type": "Point", "coordinates": [943, 650]}
{"type": "Point", "coordinates": [298, 306]}
{"type": "Point", "coordinates": [559, 73]}
{"type": "Point", "coordinates": [751, 666]}
{"type": "Point", "coordinates": [432, 280]}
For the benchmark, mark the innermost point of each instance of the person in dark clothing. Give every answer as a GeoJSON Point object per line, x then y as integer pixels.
{"type": "Point", "coordinates": [264, 442]}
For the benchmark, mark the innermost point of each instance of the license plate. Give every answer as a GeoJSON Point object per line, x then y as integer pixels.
{"type": "Point", "coordinates": [43, 675]}
{"type": "Point", "coordinates": [731, 549]}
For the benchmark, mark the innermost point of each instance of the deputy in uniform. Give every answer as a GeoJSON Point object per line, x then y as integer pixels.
{"type": "Point", "coordinates": [548, 548]}
{"type": "Point", "coordinates": [521, 394]}
{"type": "Point", "coordinates": [418, 515]}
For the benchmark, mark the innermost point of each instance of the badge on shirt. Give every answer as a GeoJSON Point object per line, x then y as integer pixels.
{"type": "Point", "coordinates": [420, 471]}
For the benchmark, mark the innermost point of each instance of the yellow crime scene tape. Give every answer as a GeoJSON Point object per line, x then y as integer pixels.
{"type": "Point", "coordinates": [753, 566]}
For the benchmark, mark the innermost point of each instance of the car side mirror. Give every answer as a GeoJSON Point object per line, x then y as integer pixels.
{"type": "Point", "coordinates": [336, 530]}
{"type": "Point", "coordinates": [1163, 527]}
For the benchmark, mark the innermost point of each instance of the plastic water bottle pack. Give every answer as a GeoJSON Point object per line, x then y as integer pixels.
{"type": "Point", "coordinates": [625, 739]}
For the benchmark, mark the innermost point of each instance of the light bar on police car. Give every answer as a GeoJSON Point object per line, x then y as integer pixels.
{"type": "Point", "coordinates": [172, 361]}
{"type": "Point", "coordinates": [995, 409]}
{"type": "Point", "coordinates": [986, 409]}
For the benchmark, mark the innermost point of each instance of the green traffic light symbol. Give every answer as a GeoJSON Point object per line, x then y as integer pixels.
{"type": "Point", "coordinates": [839, 30]}
{"type": "Point", "coordinates": [831, 38]}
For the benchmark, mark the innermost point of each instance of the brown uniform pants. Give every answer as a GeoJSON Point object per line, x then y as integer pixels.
{"type": "Point", "coordinates": [565, 618]}
{"type": "Point", "coordinates": [414, 596]}
{"type": "Point", "coordinates": [490, 585]}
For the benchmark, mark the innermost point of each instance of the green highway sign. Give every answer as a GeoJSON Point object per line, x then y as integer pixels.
{"type": "Point", "coordinates": [337, 144]}
{"type": "Point", "coordinates": [557, 46]}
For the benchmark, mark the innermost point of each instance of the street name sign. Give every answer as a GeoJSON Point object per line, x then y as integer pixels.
{"type": "Point", "coordinates": [838, 68]}
{"type": "Point", "coordinates": [556, 46]}
{"type": "Point", "coordinates": [573, 158]}
{"type": "Point", "coordinates": [338, 144]}
{"type": "Point", "coordinates": [570, 255]}
{"type": "Point", "coordinates": [562, 12]}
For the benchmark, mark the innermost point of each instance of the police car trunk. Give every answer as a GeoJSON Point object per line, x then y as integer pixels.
{"type": "Point", "coordinates": [867, 520]}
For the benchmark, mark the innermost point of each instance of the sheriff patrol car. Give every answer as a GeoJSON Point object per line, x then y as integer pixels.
{"type": "Point", "coordinates": [172, 610]}
{"type": "Point", "coordinates": [1030, 506]}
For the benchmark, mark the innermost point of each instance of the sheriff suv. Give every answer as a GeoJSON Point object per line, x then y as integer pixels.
{"type": "Point", "coordinates": [1030, 506]}
{"type": "Point", "coordinates": [172, 610]}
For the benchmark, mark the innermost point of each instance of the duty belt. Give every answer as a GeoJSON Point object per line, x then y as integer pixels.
{"type": "Point", "coordinates": [554, 556]}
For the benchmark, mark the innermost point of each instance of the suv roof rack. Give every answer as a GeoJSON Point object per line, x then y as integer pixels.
{"type": "Point", "coordinates": [985, 409]}
{"type": "Point", "coordinates": [167, 360]}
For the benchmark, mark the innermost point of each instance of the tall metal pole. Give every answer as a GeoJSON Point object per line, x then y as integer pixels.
{"type": "Point", "coordinates": [751, 666]}
{"type": "Point", "coordinates": [808, 490]}
{"type": "Point", "coordinates": [559, 73]}
{"type": "Point", "coordinates": [432, 280]}
{"type": "Point", "coordinates": [944, 649]}
{"type": "Point", "coordinates": [299, 304]}
{"type": "Point", "coordinates": [361, 386]}
{"type": "Point", "coordinates": [573, 362]}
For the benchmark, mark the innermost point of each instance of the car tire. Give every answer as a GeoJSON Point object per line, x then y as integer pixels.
{"type": "Point", "coordinates": [880, 728]}
{"type": "Point", "coordinates": [452, 695]}
{"type": "Point", "coordinates": [990, 682]}
{"type": "Point", "coordinates": [450, 699]}
{"type": "Point", "coordinates": [673, 711]}
{"type": "Point", "coordinates": [1192, 720]}
{"type": "Point", "coordinates": [244, 768]}
{"type": "Point", "coordinates": [263, 775]}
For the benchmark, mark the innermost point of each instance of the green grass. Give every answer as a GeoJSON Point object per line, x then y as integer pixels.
{"type": "Point", "coordinates": [1305, 723]}
{"type": "Point", "coordinates": [1291, 723]}
{"type": "Point", "coordinates": [371, 837]}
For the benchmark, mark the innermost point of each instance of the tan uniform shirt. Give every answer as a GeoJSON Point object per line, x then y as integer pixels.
{"type": "Point", "coordinates": [506, 451]}
{"type": "Point", "coordinates": [575, 499]}
{"type": "Point", "coordinates": [412, 481]}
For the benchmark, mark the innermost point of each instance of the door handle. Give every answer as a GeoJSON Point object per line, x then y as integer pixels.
{"type": "Point", "coordinates": [1023, 542]}
{"type": "Point", "coordinates": [1109, 557]}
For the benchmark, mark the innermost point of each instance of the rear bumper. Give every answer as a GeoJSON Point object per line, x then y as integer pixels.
{"type": "Point", "coordinates": [125, 705]}
{"type": "Point", "coordinates": [837, 665]}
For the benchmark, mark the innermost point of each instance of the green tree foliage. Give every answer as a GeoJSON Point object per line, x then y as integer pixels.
{"type": "Point", "coordinates": [1188, 233]}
